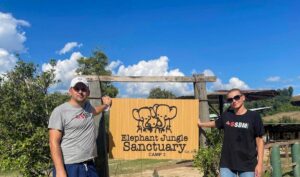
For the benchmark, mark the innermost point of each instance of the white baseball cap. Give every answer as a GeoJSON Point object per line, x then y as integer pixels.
{"type": "Point", "coordinates": [79, 80]}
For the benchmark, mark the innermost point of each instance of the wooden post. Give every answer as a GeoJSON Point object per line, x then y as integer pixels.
{"type": "Point", "coordinates": [287, 151]}
{"type": "Point", "coordinates": [102, 159]}
{"type": "Point", "coordinates": [196, 90]}
{"type": "Point", "coordinates": [201, 94]}
{"type": "Point", "coordinates": [221, 104]}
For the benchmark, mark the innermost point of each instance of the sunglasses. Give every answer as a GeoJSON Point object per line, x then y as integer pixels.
{"type": "Point", "coordinates": [83, 88]}
{"type": "Point", "coordinates": [236, 98]}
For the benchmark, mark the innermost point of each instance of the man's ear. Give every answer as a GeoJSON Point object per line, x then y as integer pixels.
{"type": "Point", "coordinates": [70, 91]}
{"type": "Point", "coordinates": [244, 97]}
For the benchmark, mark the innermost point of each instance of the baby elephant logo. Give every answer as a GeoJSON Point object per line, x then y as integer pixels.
{"type": "Point", "coordinates": [156, 118]}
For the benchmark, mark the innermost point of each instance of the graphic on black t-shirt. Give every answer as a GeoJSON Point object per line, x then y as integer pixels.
{"type": "Point", "coordinates": [237, 124]}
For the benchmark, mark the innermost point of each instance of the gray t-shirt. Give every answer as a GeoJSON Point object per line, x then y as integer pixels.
{"type": "Point", "coordinates": [78, 142]}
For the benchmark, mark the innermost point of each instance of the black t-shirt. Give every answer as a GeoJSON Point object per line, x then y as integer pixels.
{"type": "Point", "coordinates": [239, 147]}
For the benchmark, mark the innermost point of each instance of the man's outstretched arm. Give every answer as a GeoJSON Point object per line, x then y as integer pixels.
{"type": "Point", "coordinates": [210, 124]}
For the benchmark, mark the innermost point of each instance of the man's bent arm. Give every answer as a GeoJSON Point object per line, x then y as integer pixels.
{"type": "Point", "coordinates": [100, 108]}
{"type": "Point", "coordinates": [260, 155]}
{"type": "Point", "coordinates": [210, 124]}
{"type": "Point", "coordinates": [106, 103]}
{"type": "Point", "coordinates": [56, 153]}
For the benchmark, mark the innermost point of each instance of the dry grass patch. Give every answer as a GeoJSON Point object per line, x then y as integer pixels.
{"type": "Point", "coordinates": [294, 115]}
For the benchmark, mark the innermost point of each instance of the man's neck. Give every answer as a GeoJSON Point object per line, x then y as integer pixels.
{"type": "Point", "coordinates": [241, 110]}
{"type": "Point", "coordinates": [76, 103]}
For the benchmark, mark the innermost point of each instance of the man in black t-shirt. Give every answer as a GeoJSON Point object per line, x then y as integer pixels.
{"type": "Point", "coordinates": [243, 146]}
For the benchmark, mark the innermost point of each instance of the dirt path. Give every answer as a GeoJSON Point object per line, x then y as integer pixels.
{"type": "Point", "coordinates": [174, 172]}
{"type": "Point", "coordinates": [184, 169]}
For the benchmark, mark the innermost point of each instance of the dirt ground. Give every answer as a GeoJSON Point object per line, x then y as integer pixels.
{"type": "Point", "coordinates": [177, 170]}
{"type": "Point", "coordinates": [174, 172]}
{"type": "Point", "coordinates": [184, 169]}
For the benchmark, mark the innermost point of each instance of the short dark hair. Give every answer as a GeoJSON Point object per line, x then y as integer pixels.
{"type": "Point", "coordinates": [235, 89]}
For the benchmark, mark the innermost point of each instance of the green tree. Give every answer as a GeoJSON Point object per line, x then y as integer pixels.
{"type": "Point", "coordinates": [24, 112]}
{"type": "Point", "coordinates": [291, 90]}
{"type": "Point", "coordinates": [161, 93]}
{"type": "Point", "coordinates": [95, 65]}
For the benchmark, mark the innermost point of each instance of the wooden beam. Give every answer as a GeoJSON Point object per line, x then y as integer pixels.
{"type": "Point", "coordinates": [221, 104]}
{"type": "Point", "coordinates": [102, 159]}
{"type": "Point", "coordinates": [204, 110]}
{"type": "Point", "coordinates": [199, 78]}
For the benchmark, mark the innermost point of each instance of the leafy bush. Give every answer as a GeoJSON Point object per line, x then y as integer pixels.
{"type": "Point", "coordinates": [207, 158]}
{"type": "Point", "coordinates": [24, 112]}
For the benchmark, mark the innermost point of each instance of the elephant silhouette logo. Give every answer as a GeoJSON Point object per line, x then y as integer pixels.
{"type": "Point", "coordinates": [154, 119]}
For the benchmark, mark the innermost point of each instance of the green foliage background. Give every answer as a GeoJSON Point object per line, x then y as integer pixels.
{"type": "Point", "coordinates": [95, 65]}
{"type": "Point", "coordinates": [25, 108]}
{"type": "Point", "coordinates": [161, 93]}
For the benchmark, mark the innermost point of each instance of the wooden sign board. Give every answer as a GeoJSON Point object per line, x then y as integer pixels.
{"type": "Point", "coordinates": [153, 129]}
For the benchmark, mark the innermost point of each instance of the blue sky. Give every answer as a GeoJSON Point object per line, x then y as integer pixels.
{"type": "Point", "coordinates": [246, 44]}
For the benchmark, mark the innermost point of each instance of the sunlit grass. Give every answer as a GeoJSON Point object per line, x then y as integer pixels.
{"type": "Point", "coordinates": [135, 166]}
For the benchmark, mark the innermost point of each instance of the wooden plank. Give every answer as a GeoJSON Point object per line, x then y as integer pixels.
{"type": "Point", "coordinates": [201, 78]}
{"type": "Point", "coordinates": [102, 159]}
{"type": "Point", "coordinates": [201, 131]}
{"type": "Point", "coordinates": [221, 104]}
{"type": "Point", "coordinates": [204, 110]}
{"type": "Point", "coordinates": [286, 151]}
{"type": "Point", "coordinates": [153, 129]}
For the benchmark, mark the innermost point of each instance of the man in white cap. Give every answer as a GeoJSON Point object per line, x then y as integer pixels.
{"type": "Point", "coordinates": [72, 132]}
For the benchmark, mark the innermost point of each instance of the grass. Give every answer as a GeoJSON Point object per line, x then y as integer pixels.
{"type": "Point", "coordinates": [288, 171]}
{"type": "Point", "coordinates": [294, 116]}
{"type": "Point", "coordinates": [136, 166]}
{"type": "Point", "coordinates": [117, 167]}
{"type": "Point", "coordinates": [9, 174]}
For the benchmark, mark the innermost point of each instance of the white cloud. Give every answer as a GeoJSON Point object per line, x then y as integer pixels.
{"type": "Point", "coordinates": [12, 40]}
{"type": "Point", "coordinates": [65, 70]}
{"type": "Point", "coordinates": [155, 67]}
{"type": "Point", "coordinates": [208, 72]}
{"type": "Point", "coordinates": [273, 79]}
{"type": "Point", "coordinates": [11, 36]}
{"type": "Point", "coordinates": [194, 71]}
{"type": "Point", "coordinates": [68, 47]}
{"type": "Point", "coordinates": [7, 61]}
{"type": "Point", "coordinates": [233, 82]}
{"type": "Point", "coordinates": [113, 65]}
